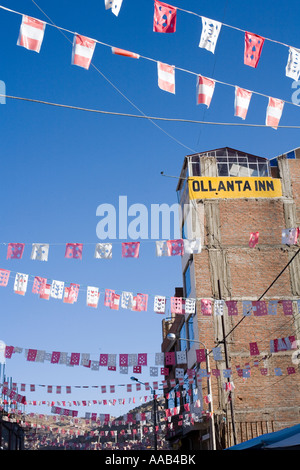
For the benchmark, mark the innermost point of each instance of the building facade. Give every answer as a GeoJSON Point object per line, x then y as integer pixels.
{"type": "Point", "coordinates": [240, 206]}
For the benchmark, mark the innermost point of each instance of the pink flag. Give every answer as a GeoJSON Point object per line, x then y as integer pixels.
{"type": "Point", "coordinates": [9, 351]}
{"type": "Point", "coordinates": [287, 306]}
{"type": "Point", "coordinates": [4, 277]}
{"type": "Point", "coordinates": [137, 370]}
{"type": "Point", "coordinates": [274, 112]}
{"type": "Point", "coordinates": [242, 101]}
{"type": "Point", "coordinates": [164, 18]}
{"type": "Point", "coordinates": [200, 355]}
{"type": "Point", "coordinates": [166, 77]}
{"type": "Point", "coordinates": [253, 48]}
{"type": "Point", "coordinates": [205, 90]}
{"type": "Point", "coordinates": [39, 285]}
{"type": "Point", "coordinates": [175, 247]}
{"type": "Point", "coordinates": [232, 307]}
{"type": "Point", "coordinates": [31, 355]}
{"type": "Point", "coordinates": [176, 305]}
{"type": "Point", "coordinates": [253, 239]}
{"type": "Point", "coordinates": [141, 302]}
{"type": "Point", "coordinates": [170, 358]}
{"type": "Point", "coordinates": [117, 51]}
{"type": "Point", "coordinates": [71, 294]}
{"type": "Point", "coordinates": [83, 50]}
{"type": "Point", "coordinates": [55, 357]}
{"type": "Point", "coordinates": [130, 249]}
{"type": "Point", "coordinates": [254, 351]}
{"type": "Point", "coordinates": [123, 360]}
{"type": "Point", "coordinates": [115, 301]}
{"type": "Point", "coordinates": [103, 361]}
{"type": "Point", "coordinates": [108, 297]}
{"type": "Point", "coordinates": [206, 307]}
{"type": "Point", "coordinates": [31, 33]}
{"type": "Point", "coordinates": [142, 359]}
{"type": "Point", "coordinates": [74, 361]}
{"type": "Point", "coordinates": [15, 250]}
{"type": "Point", "coordinates": [46, 293]}
{"type": "Point", "coordinates": [74, 250]}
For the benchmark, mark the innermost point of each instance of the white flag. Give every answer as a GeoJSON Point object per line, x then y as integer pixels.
{"type": "Point", "coordinates": [192, 246]}
{"type": "Point", "coordinates": [115, 5]}
{"type": "Point", "coordinates": [292, 69]}
{"type": "Point", "coordinates": [57, 289]}
{"type": "Point", "coordinates": [162, 248]}
{"type": "Point", "coordinates": [159, 304]}
{"type": "Point", "coordinates": [40, 251]}
{"type": "Point", "coordinates": [92, 296]}
{"type": "Point", "coordinates": [126, 300]}
{"type": "Point", "coordinates": [21, 282]}
{"type": "Point", "coordinates": [190, 305]}
{"type": "Point", "coordinates": [210, 34]}
{"type": "Point", "coordinates": [103, 250]}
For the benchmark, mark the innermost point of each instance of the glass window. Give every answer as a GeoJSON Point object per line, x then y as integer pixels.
{"type": "Point", "coordinates": [183, 342]}
{"type": "Point", "coordinates": [187, 281]}
{"type": "Point", "coordinates": [190, 328]}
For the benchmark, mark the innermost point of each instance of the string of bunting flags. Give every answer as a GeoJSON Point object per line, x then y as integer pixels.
{"type": "Point", "coordinates": [32, 31]}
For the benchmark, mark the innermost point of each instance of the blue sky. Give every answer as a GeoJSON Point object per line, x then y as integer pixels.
{"type": "Point", "coordinates": [58, 165]}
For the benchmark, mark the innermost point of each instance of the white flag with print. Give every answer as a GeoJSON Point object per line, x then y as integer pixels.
{"type": "Point", "coordinates": [103, 250]}
{"type": "Point", "coordinates": [57, 289]}
{"type": "Point", "coordinates": [190, 306]}
{"type": "Point", "coordinates": [126, 299]}
{"type": "Point", "coordinates": [20, 284]}
{"type": "Point", "coordinates": [162, 248]}
{"type": "Point", "coordinates": [292, 69]}
{"type": "Point", "coordinates": [115, 5]}
{"type": "Point", "coordinates": [210, 34]}
{"type": "Point", "coordinates": [92, 296]}
{"type": "Point", "coordinates": [159, 304]}
{"type": "Point", "coordinates": [40, 251]}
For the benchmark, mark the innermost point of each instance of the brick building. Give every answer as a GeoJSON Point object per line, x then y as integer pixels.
{"type": "Point", "coordinates": [261, 393]}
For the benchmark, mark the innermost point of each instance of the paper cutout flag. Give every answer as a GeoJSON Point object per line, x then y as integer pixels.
{"type": "Point", "coordinates": [4, 277]}
{"type": "Point", "coordinates": [232, 307]}
{"type": "Point", "coordinates": [57, 289]}
{"type": "Point", "coordinates": [74, 250]}
{"type": "Point", "coordinates": [130, 249]}
{"type": "Point", "coordinates": [161, 248]}
{"type": "Point", "coordinates": [115, 6]}
{"type": "Point", "coordinates": [123, 52]}
{"type": "Point", "coordinates": [176, 305]}
{"type": "Point", "coordinates": [103, 250]}
{"type": "Point", "coordinates": [206, 307]}
{"type": "Point", "coordinates": [92, 296]}
{"type": "Point", "coordinates": [164, 18]}
{"type": "Point", "coordinates": [126, 300]}
{"type": "Point", "coordinates": [40, 251]}
{"type": "Point", "coordinates": [253, 48]}
{"type": "Point", "coordinates": [290, 236]}
{"type": "Point", "coordinates": [210, 33]}
{"type": "Point", "coordinates": [190, 306]}
{"type": "Point", "coordinates": [166, 77]}
{"type": "Point", "coordinates": [253, 240]}
{"type": "Point", "coordinates": [274, 112]}
{"type": "Point", "coordinates": [175, 247]}
{"type": "Point", "coordinates": [192, 246]}
{"type": "Point", "coordinates": [83, 50]}
{"type": "Point", "coordinates": [15, 250]}
{"type": "Point", "coordinates": [159, 304]}
{"type": "Point", "coordinates": [31, 33]}
{"type": "Point", "coordinates": [20, 285]}
{"type": "Point", "coordinates": [141, 302]}
{"type": "Point", "coordinates": [46, 293]}
{"type": "Point", "coordinates": [39, 285]}
{"type": "Point", "coordinates": [241, 102]}
{"type": "Point", "coordinates": [205, 90]}
{"type": "Point", "coordinates": [292, 69]}
{"type": "Point", "coordinates": [71, 294]}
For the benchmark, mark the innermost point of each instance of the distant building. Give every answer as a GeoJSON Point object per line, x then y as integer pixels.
{"type": "Point", "coordinates": [228, 195]}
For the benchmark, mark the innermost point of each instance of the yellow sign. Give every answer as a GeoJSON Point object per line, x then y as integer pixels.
{"type": "Point", "coordinates": [207, 187]}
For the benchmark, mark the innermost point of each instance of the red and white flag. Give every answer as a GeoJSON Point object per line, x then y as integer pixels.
{"type": "Point", "coordinates": [274, 112]}
{"type": "Point", "coordinates": [92, 298]}
{"type": "Point", "coordinates": [46, 292]}
{"type": "Point", "coordinates": [166, 77]}
{"type": "Point", "coordinates": [241, 102]}
{"type": "Point", "coordinates": [83, 50]}
{"type": "Point", "coordinates": [205, 90]}
{"type": "Point", "coordinates": [31, 33]}
{"type": "Point", "coordinates": [117, 51]}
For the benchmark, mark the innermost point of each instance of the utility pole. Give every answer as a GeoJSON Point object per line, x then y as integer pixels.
{"type": "Point", "coordinates": [227, 367]}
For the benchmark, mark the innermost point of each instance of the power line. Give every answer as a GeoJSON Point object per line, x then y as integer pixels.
{"type": "Point", "coordinates": [154, 118]}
